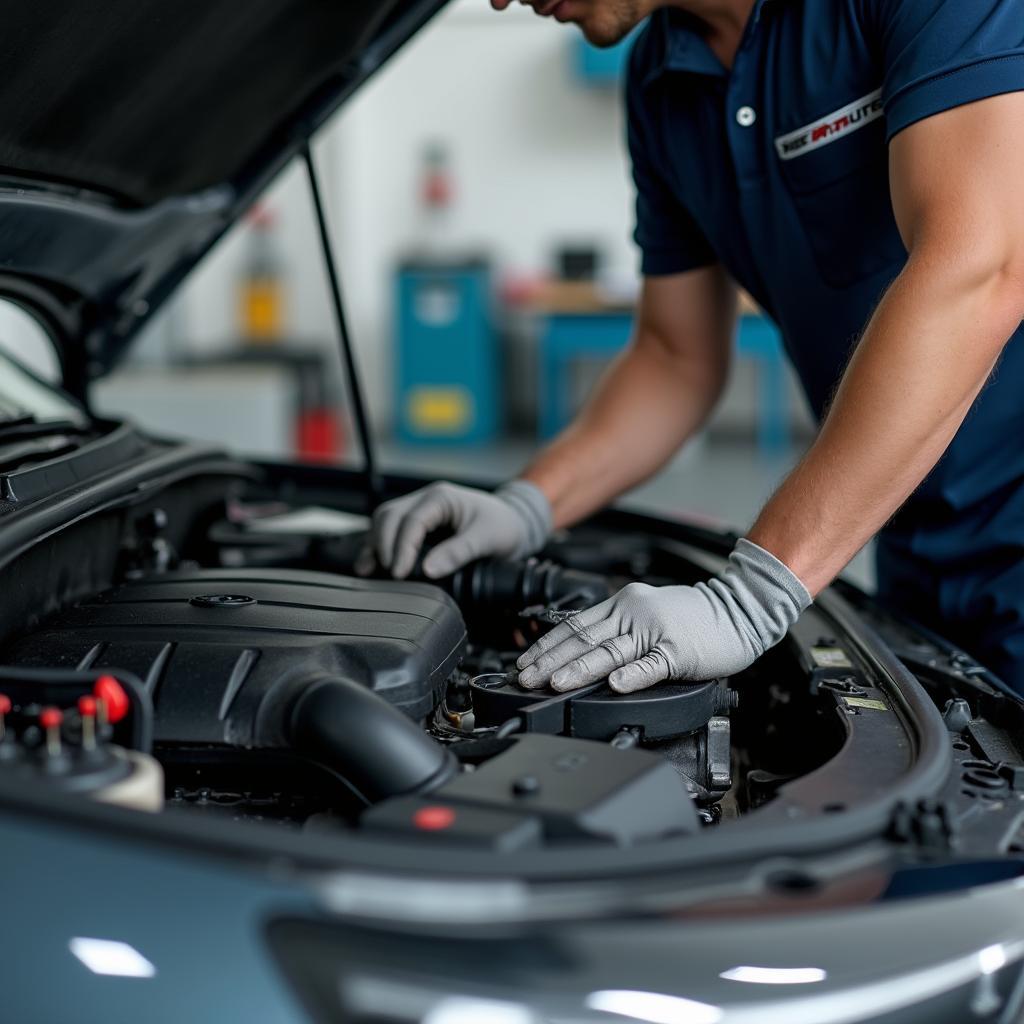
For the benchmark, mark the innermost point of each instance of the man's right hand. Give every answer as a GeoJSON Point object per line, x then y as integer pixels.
{"type": "Point", "coordinates": [513, 522]}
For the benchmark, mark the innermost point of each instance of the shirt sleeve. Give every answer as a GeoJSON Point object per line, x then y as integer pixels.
{"type": "Point", "coordinates": [669, 238]}
{"type": "Point", "coordinates": [941, 54]}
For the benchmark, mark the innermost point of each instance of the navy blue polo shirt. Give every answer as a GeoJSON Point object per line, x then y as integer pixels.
{"type": "Point", "coordinates": [778, 169]}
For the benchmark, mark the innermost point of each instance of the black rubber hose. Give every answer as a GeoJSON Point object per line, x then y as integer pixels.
{"type": "Point", "coordinates": [494, 585]}
{"type": "Point", "coordinates": [371, 744]}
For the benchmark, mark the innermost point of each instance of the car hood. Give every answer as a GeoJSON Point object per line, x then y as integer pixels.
{"type": "Point", "coordinates": [133, 133]}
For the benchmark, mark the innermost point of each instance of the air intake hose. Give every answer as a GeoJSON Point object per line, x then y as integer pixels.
{"type": "Point", "coordinates": [493, 593]}
{"type": "Point", "coordinates": [371, 744]}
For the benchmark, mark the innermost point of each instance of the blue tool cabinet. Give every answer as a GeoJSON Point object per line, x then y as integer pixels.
{"type": "Point", "coordinates": [447, 355]}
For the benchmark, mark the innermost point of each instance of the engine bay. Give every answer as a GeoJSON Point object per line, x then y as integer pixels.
{"type": "Point", "coordinates": [235, 668]}
{"type": "Point", "coordinates": [342, 694]}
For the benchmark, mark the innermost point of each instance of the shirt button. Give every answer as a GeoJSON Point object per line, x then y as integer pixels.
{"type": "Point", "coordinates": [746, 116]}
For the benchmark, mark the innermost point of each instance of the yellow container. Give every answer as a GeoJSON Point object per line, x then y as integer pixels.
{"type": "Point", "coordinates": [262, 310]}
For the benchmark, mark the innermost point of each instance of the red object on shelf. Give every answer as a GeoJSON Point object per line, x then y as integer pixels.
{"type": "Point", "coordinates": [50, 718]}
{"type": "Point", "coordinates": [319, 436]}
{"type": "Point", "coordinates": [110, 691]}
{"type": "Point", "coordinates": [433, 819]}
{"type": "Point", "coordinates": [437, 187]}
{"type": "Point", "coordinates": [437, 190]}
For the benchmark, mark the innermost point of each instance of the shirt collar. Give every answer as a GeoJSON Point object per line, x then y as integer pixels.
{"type": "Point", "coordinates": [683, 46]}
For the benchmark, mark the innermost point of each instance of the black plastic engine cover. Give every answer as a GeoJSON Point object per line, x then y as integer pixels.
{"type": "Point", "coordinates": [223, 652]}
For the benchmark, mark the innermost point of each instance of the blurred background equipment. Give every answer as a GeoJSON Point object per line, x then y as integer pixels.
{"type": "Point", "coordinates": [446, 346]}
{"type": "Point", "coordinates": [257, 388]}
{"type": "Point", "coordinates": [261, 289]}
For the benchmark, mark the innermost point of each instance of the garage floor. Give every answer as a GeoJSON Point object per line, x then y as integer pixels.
{"type": "Point", "coordinates": [717, 482]}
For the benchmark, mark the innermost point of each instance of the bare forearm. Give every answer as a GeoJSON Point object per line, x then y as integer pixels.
{"type": "Point", "coordinates": [646, 406]}
{"type": "Point", "coordinates": [926, 355]}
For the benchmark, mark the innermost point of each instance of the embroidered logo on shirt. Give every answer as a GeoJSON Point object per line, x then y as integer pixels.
{"type": "Point", "coordinates": [831, 127]}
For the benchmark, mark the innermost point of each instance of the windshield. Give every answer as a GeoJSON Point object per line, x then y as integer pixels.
{"type": "Point", "coordinates": [26, 398]}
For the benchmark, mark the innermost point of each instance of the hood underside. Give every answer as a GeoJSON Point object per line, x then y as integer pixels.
{"type": "Point", "coordinates": [133, 132]}
{"type": "Point", "coordinates": [144, 101]}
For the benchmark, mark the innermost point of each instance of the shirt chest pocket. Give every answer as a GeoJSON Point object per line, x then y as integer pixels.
{"type": "Point", "coordinates": [836, 172]}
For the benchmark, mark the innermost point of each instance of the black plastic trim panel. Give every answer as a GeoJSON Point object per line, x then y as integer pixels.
{"type": "Point", "coordinates": [43, 479]}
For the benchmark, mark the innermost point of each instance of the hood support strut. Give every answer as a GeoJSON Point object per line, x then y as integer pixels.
{"type": "Point", "coordinates": [370, 473]}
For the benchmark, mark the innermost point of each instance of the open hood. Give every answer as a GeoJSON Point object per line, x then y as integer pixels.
{"type": "Point", "coordinates": [133, 133]}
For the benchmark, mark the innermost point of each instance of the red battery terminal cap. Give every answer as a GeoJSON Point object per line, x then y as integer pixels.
{"type": "Point", "coordinates": [5, 704]}
{"type": "Point", "coordinates": [50, 718]}
{"type": "Point", "coordinates": [110, 691]}
{"type": "Point", "coordinates": [87, 706]}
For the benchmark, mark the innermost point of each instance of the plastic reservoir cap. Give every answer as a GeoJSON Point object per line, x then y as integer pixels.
{"type": "Point", "coordinates": [110, 691]}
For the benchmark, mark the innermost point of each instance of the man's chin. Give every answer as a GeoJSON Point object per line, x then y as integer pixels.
{"type": "Point", "coordinates": [602, 36]}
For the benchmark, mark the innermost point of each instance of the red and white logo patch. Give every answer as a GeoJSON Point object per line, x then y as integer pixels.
{"type": "Point", "coordinates": [831, 128]}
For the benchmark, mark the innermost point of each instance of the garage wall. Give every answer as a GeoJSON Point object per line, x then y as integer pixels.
{"type": "Point", "coordinates": [538, 160]}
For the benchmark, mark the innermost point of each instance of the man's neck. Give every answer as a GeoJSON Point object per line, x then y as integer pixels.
{"type": "Point", "coordinates": [726, 21]}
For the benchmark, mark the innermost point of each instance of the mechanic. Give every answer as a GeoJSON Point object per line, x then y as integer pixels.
{"type": "Point", "coordinates": [858, 167]}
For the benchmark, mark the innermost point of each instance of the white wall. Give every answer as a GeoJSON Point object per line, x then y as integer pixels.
{"type": "Point", "coordinates": [22, 337]}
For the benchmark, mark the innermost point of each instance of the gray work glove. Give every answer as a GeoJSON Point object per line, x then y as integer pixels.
{"type": "Point", "coordinates": [645, 635]}
{"type": "Point", "coordinates": [513, 522]}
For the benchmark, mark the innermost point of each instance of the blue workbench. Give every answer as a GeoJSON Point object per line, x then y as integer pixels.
{"type": "Point", "coordinates": [567, 337]}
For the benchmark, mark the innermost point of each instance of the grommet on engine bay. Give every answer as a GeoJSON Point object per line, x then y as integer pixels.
{"type": "Point", "coordinates": [222, 601]}
{"type": "Point", "coordinates": [526, 785]}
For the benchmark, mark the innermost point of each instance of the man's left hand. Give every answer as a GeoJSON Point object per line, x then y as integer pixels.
{"type": "Point", "coordinates": [645, 635]}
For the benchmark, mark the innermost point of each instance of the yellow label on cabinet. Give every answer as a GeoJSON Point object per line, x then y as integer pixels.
{"type": "Point", "coordinates": [440, 410]}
